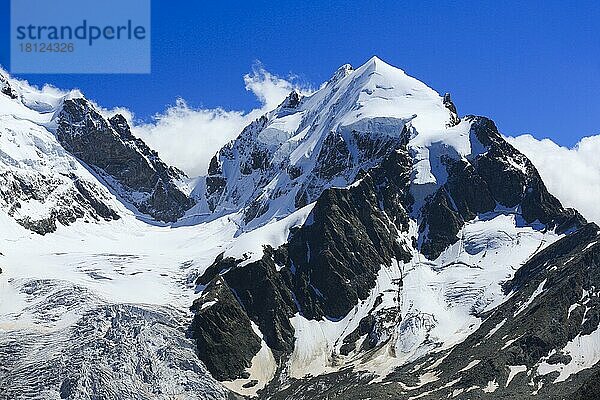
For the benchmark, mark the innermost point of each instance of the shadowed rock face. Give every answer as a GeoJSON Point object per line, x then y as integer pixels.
{"type": "Point", "coordinates": [454, 119]}
{"type": "Point", "coordinates": [500, 177]}
{"type": "Point", "coordinates": [327, 266]}
{"type": "Point", "coordinates": [330, 264]}
{"type": "Point", "coordinates": [127, 164]}
{"type": "Point", "coordinates": [224, 337]}
{"type": "Point", "coordinates": [45, 179]}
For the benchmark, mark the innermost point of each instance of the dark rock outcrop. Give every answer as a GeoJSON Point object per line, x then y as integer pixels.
{"type": "Point", "coordinates": [225, 340]}
{"type": "Point", "coordinates": [498, 177]}
{"type": "Point", "coordinates": [127, 164]}
{"type": "Point", "coordinates": [72, 199]}
{"type": "Point", "coordinates": [6, 88]}
{"type": "Point", "coordinates": [327, 266]}
{"type": "Point", "coordinates": [454, 119]}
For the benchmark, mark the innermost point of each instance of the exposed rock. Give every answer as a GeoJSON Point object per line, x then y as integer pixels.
{"type": "Point", "coordinates": [6, 88]}
{"type": "Point", "coordinates": [321, 271]}
{"type": "Point", "coordinates": [508, 337]}
{"type": "Point", "coordinates": [127, 164]}
{"type": "Point", "coordinates": [307, 145]}
{"type": "Point", "coordinates": [69, 198]}
{"type": "Point", "coordinates": [454, 119]}
{"type": "Point", "coordinates": [500, 176]}
{"type": "Point", "coordinates": [225, 340]}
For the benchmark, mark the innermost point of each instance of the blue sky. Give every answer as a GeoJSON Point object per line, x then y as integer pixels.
{"type": "Point", "coordinates": [533, 67]}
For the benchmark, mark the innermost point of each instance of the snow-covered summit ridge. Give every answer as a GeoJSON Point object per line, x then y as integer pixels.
{"type": "Point", "coordinates": [55, 141]}
{"type": "Point", "coordinates": [285, 159]}
{"type": "Point", "coordinates": [32, 103]}
{"type": "Point", "coordinates": [41, 184]}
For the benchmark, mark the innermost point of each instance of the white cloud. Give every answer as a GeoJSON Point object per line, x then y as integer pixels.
{"type": "Point", "coordinates": [572, 175]}
{"type": "Point", "coordinates": [188, 138]}
{"type": "Point", "coordinates": [269, 89]}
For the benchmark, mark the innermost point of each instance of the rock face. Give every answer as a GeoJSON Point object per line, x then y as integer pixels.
{"type": "Point", "coordinates": [224, 337]}
{"type": "Point", "coordinates": [80, 200]}
{"type": "Point", "coordinates": [417, 224]}
{"type": "Point", "coordinates": [320, 272]}
{"type": "Point", "coordinates": [549, 320]}
{"type": "Point", "coordinates": [127, 165]}
{"type": "Point", "coordinates": [41, 185]}
{"type": "Point", "coordinates": [454, 119]}
{"type": "Point", "coordinates": [500, 175]}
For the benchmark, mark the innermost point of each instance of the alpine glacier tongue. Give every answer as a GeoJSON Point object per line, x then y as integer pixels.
{"type": "Point", "coordinates": [285, 159]}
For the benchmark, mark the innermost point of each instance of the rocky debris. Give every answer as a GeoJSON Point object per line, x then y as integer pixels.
{"type": "Point", "coordinates": [127, 164]}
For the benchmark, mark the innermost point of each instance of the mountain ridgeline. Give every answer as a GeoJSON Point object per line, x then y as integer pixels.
{"type": "Point", "coordinates": [127, 165]}
{"type": "Point", "coordinates": [361, 241]}
{"type": "Point", "coordinates": [330, 264]}
{"type": "Point", "coordinates": [389, 192]}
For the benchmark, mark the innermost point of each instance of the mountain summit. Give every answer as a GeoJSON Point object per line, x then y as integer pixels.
{"type": "Point", "coordinates": [57, 146]}
{"type": "Point", "coordinates": [285, 159]}
{"type": "Point", "coordinates": [365, 241]}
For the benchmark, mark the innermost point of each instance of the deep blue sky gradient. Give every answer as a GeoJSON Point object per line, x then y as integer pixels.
{"type": "Point", "coordinates": [534, 66]}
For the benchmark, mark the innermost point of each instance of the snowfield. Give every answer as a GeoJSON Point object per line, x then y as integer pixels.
{"type": "Point", "coordinates": [102, 306]}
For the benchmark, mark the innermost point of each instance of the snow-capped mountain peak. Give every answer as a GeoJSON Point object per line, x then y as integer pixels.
{"type": "Point", "coordinates": [414, 254]}
{"type": "Point", "coordinates": [285, 159]}
{"type": "Point", "coordinates": [60, 143]}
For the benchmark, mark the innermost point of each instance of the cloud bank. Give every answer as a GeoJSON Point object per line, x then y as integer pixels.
{"type": "Point", "coordinates": [572, 175]}
{"type": "Point", "coordinates": [188, 138]}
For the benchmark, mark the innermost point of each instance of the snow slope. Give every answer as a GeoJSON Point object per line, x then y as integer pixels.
{"type": "Point", "coordinates": [103, 298]}
{"type": "Point", "coordinates": [436, 303]}
{"type": "Point", "coordinates": [40, 183]}
{"type": "Point", "coordinates": [289, 156]}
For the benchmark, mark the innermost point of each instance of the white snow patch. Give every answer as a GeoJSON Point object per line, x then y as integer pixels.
{"type": "Point", "coordinates": [535, 294]}
{"type": "Point", "coordinates": [496, 328]}
{"type": "Point", "coordinates": [490, 387]}
{"type": "Point", "coordinates": [585, 353]}
{"type": "Point", "coordinates": [514, 370]}
{"type": "Point", "coordinates": [262, 370]}
{"type": "Point", "coordinates": [470, 365]}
